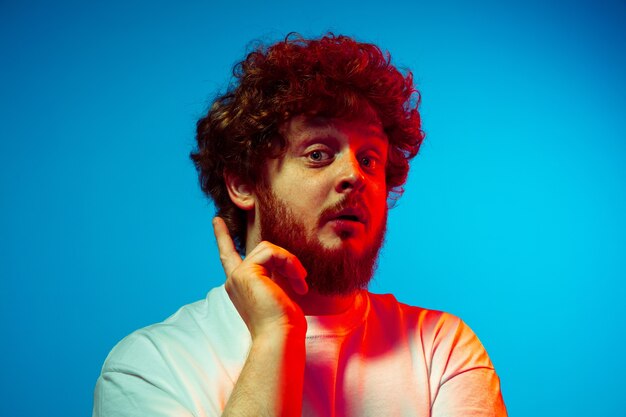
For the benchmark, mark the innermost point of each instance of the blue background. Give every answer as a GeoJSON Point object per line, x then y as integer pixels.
{"type": "Point", "coordinates": [513, 216]}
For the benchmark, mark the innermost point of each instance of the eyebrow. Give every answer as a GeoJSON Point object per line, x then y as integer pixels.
{"type": "Point", "coordinates": [303, 141]}
{"type": "Point", "coordinates": [319, 129]}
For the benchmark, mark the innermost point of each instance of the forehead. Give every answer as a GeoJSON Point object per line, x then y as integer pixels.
{"type": "Point", "coordinates": [303, 128]}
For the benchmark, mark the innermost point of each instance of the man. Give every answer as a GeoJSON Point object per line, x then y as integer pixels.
{"type": "Point", "coordinates": [301, 157]}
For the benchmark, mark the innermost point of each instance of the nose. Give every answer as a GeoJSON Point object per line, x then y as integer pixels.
{"type": "Point", "coordinates": [350, 177]}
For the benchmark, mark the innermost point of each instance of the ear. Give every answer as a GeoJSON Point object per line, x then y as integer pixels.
{"type": "Point", "coordinates": [240, 192]}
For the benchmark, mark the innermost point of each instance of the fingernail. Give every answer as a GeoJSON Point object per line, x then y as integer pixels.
{"type": "Point", "coordinates": [304, 288]}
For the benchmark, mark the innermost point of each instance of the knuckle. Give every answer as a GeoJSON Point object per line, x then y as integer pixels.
{"type": "Point", "coordinates": [234, 277]}
{"type": "Point", "coordinates": [272, 249]}
{"type": "Point", "coordinates": [265, 245]}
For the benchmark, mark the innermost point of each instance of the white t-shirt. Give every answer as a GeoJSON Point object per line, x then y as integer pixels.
{"type": "Point", "coordinates": [380, 358]}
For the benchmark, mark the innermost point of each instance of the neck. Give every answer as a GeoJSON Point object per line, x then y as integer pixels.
{"type": "Point", "coordinates": [315, 304]}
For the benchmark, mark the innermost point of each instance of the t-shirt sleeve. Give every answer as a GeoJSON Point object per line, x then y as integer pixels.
{"type": "Point", "coordinates": [136, 382]}
{"type": "Point", "coordinates": [465, 380]}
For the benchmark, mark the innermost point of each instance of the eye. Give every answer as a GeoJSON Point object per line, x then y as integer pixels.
{"type": "Point", "coordinates": [319, 156]}
{"type": "Point", "coordinates": [369, 162]}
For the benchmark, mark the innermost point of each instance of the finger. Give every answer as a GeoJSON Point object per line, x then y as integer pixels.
{"type": "Point", "coordinates": [228, 254]}
{"type": "Point", "coordinates": [283, 262]}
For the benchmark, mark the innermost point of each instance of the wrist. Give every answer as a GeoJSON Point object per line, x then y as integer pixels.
{"type": "Point", "coordinates": [277, 336]}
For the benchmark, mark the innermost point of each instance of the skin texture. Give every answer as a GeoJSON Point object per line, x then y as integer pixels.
{"type": "Point", "coordinates": [338, 182]}
{"type": "Point", "coordinates": [270, 383]}
{"type": "Point", "coordinates": [327, 161]}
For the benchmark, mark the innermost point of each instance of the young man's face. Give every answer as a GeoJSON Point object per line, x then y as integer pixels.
{"type": "Point", "coordinates": [327, 199]}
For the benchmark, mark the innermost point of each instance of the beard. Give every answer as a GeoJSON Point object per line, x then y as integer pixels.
{"type": "Point", "coordinates": [338, 271]}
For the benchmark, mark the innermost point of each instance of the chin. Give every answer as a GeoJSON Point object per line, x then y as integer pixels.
{"type": "Point", "coordinates": [344, 243]}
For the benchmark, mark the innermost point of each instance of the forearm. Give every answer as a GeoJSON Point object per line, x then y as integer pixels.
{"type": "Point", "coordinates": [270, 383]}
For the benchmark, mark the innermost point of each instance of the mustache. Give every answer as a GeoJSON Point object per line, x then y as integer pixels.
{"type": "Point", "coordinates": [350, 201]}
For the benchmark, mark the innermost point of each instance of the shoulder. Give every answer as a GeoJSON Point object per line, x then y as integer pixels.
{"type": "Point", "coordinates": [198, 325]}
{"type": "Point", "coordinates": [427, 320]}
{"type": "Point", "coordinates": [162, 369]}
{"type": "Point", "coordinates": [439, 333]}
{"type": "Point", "coordinates": [461, 377]}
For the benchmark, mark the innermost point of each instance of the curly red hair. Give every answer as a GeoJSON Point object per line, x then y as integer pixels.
{"type": "Point", "coordinates": [333, 76]}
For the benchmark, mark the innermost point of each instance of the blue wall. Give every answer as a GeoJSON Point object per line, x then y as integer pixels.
{"type": "Point", "coordinates": [513, 216]}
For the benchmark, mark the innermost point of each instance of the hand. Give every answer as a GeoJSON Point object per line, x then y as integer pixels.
{"type": "Point", "coordinates": [258, 284]}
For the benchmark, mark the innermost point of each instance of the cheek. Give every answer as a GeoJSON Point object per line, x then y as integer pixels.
{"type": "Point", "coordinates": [378, 203]}
{"type": "Point", "coordinates": [306, 182]}
{"type": "Point", "coordinates": [378, 210]}
{"type": "Point", "coordinates": [303, 191]}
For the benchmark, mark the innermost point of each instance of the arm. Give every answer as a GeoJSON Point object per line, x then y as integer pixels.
{"type": "Point", "coordinates": [467, 384]}
{"type": "Point", "coordinates": [270, 383]}
{"type": "Point", "coordinates": [474, 393]}
{"type": "Point", "coordinates": [122, 391]}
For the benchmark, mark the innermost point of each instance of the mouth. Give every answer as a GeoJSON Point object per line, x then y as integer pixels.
{"type": "Point", "coordinates": [350, 214]}
{"type": "Point", "coordinates": [348, 217]}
